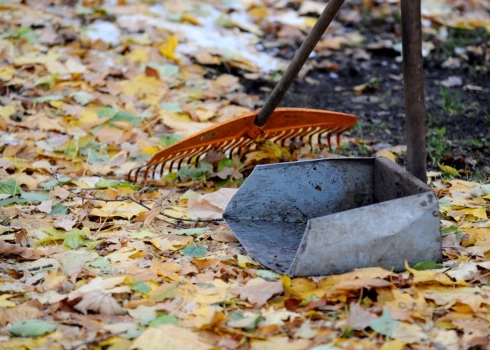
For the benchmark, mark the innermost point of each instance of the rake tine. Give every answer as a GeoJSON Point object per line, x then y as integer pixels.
{"type": "Point", "coordinates": [145, 175]}
{"type": "Point", "coordinates": [162, 169]}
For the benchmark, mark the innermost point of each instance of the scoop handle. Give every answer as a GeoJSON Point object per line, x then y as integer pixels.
{"type": "Point", "coordinates": [298, 61]}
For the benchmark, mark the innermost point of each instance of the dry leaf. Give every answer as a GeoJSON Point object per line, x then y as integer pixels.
{"type": "Point", "coordinates": [258, 291]}
{"type": "Point", "coordinates": [169, 337]}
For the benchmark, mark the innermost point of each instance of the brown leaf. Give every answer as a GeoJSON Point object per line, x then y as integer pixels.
{"type": "Point", "coordinates": [100, 302]}
{"type": "Point", "coordinates": [169, 337]}
{"type": "Point", "coordinates": [359, 318]}
{"type": "Point", "coordinates": [64, 223]}
{"type": "Point", "coordinates": [26, 253]}
{"type": "Point", "coordinates": [258, 291]}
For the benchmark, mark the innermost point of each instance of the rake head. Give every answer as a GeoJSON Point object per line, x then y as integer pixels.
{"type": "Point", "coordinates": [238, 135]}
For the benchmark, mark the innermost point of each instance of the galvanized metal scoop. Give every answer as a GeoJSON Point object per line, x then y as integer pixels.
{"type": "Point", "coordinates": [328, 216]}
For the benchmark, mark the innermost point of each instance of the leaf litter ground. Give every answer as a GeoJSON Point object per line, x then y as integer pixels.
{"type": "Point", "coordinates": [88, 260]}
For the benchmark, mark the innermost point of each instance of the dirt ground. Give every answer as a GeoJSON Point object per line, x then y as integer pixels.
{"type": "Point", "coordinates": [458, 118]}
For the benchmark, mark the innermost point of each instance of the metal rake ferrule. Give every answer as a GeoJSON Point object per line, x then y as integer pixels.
{"type": "Point", "coordinates": [240, 133]}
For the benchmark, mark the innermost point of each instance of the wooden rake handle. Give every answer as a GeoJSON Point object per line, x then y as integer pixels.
{"type": "Point", "coordinates": [412, 77]}
{"type": "Point", "coordinates": [298, 61]}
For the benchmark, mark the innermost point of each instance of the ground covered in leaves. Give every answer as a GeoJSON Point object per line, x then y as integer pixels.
{"type": "Point", "coordinates": [91, 90]}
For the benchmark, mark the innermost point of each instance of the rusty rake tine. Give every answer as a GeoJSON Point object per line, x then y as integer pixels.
{"type": "Point", "coordinates": [225, 147]}
{"type": "Point", "coordinates": [145, 175]}
{"type": "Point", "coordinates": [180, 159]}
{"type": "Point", "coordinates": [180, 163]}
{"type": "Point", "coordinates": [284, 137]}
{"type": "Point", "coordinates": [154, 168]}
{"type": "Point", "coordinates": [233, 147]}
{"type": "Point", "coordinates": [162, 169]}
{"type": "Point", "coordinates": [311, 135]}
{"type": "Point", "coordinates": [198, 152]}
{"type": "Point", "coordinates": [129, 175]}
{"type": "Point", "coordinates": [237, 147]}
{"type": "Point", "coordinates": [278, 136]}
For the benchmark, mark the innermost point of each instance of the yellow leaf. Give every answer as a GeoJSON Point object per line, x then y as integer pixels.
{"type": "Point", "coordinates": [168, 47]}
{"type": "Point", "coordinates": [87, 116]}
{"type": "Point", "coordinates": [393, 345]}
{"type": "Point", "coordinates": [260, 12]}
{"type": "Point", "coordinates": [168, 337]}
{"type": "Point", "coordinates": [386, 154]}
{"type": "Point", "coordinates": [57, 104]}
{"type": "Point", "coordinates": [182, 124]}
{"type": "Point", "coordinates": [204, 114]}
{"type": "Point", "coordinates": [449, 170]}
{"type": "Point", "coordinates": [189, 19]}
{"type": "Point", "coordinates": [283, 343]}
{"type": "Point", "coordinates": [302, 288]}
{"type": "Point", "coordinates": [151, 150]}
{"type": "Point", "coordinates": [4, 302]}
{"type": "Point", "coordinates": [476, 212]}
{"type": "Point", "coordinates": [121, 255]}
{"type": "Point", "coordinates": [139, 55]}
{"type": "Point", "coordinates": [6, 111]}
{"type": "Point", "coordinates": [426, 276]}
{"type": "Point", "coordinates": [244, 260]}
{"type": "Point", "coordinates": [118, 209]}
{"type": "Point", "coordinates": [6, 73]}
{"type": "Point", "coordinates": [164, 244]}
{"type": "Point", "coordinates": [142, 86]}
{"type": "Point", "coordinates": [200, 317]}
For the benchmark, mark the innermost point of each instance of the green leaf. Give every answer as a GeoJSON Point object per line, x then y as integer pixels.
{"type": "Point", "coordinates": [196, 251]}
{"type": "Point", "coordinates": [270, 275]}
{"type": "Point", "coordinates": [448, 230]}
{"type": "Point", "coordinates": [167, 140]}
{"type": "Point", "coordinates": [34, 196]}
{"type": "Point", "coordinates": [47, 80]}
{"type": "Point", "coordinates": [99, 262]}
{"type": "Point", "coordinates": [449, 170]}
{"type": "Point", "coordinates": [191, 231]}
{"type": "Point", "coordinates": [173, 107]}
{"type": "Point", "coordinates": [164, 69]}
{"type": "Point", "coordinates": [74, 240]}
{"type": "Point", "coordinates": [224, 21]}
{"type": "Point", "coordinates": [108, 112]}
{"type": "Point", "coordinates": [83, 98]}
{"type": "Point", "coordinates": [61, 180]}
{"type": "Point", "coordinates": [385, 324]}
{"type": "Point", "coordinates": [31, 328]}
{"type": "Point", "coordinates": [427, 265]}
{"type": "Point", "coordinates": [81, 10]}
{"type": "Point", "coordinates": [226, 163]}
{"type": "Point", "coordinates": [58, 209]}
{"type": "Point", "coordinates": [164, 319]}
{"type": "Point", "coordinates": [69, 150]}
{"type": "Point", "coordinates": [9, 186]}
{"type": "Point", "coordinates": [11, 200]}
{"type": "Point", "coordinates": [254, 324]}
{"type": "Point", "coordinates": [195, 173]}
{"type": "Point", "coordinates": [107, 183]}
{"type": "Point", "coordinates": [170, 177]}
{"type": "Point", "coordinates": [126, 116]}
{"type": "Point", "coordinates": [26, 33]}
{"type": "Point", "coordinates": [42, 99]}
{"type": "Point", "coordinates": [141, 287]}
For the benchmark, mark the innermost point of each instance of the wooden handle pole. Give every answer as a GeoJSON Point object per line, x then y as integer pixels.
{"type": "Point", "coordinates": [298, 61]}
{"type": "Point", "coordinates": [414, 87]}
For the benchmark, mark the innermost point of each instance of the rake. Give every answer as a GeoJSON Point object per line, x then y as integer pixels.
{"type": "Point", "coordinates": [240, 134]}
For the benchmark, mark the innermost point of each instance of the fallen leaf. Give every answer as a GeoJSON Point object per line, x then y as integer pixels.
{"type": "Point", "coordinates": [169, 337]}
{"type": "Point", "coordinates": [211, 205]}
{"type": "Point", "coordinates": [359, 318]}
{"type": "Point", "coordinates": [258, 291]}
